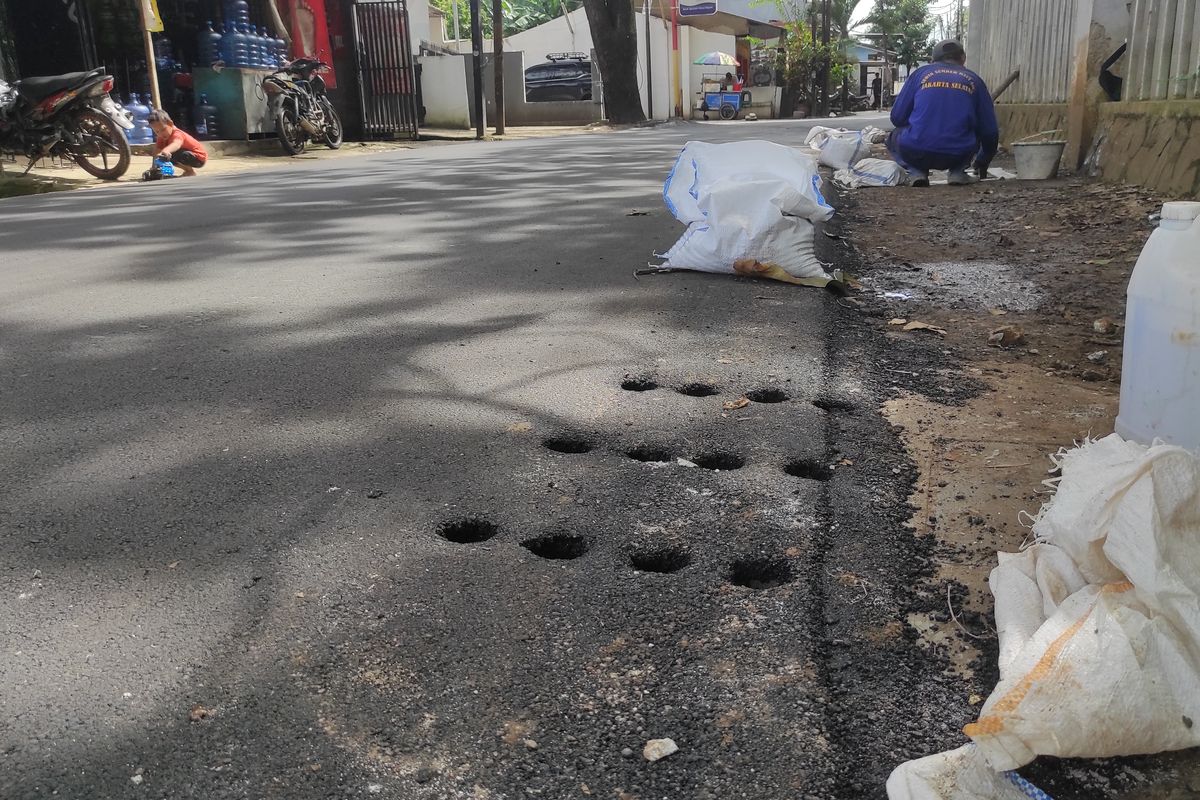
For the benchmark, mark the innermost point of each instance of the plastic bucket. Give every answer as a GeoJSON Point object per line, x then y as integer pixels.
{"type": "Point", "coordinates": [1038, 160]}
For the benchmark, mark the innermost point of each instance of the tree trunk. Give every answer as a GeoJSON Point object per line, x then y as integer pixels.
{"type": "Point", "coordinates": [615, 40]}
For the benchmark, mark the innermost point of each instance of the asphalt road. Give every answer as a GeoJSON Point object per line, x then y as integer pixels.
{"type": "Point", "coordinates": [238, 414]}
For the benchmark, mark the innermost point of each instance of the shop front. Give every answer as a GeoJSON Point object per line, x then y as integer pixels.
{"type": "Point", "coordinates": [210, 56]}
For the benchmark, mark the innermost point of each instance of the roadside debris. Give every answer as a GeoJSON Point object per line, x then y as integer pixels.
{"type": "Point", "coordinates": [917, 325]}
{"type": "Point", "coordinates": [1099, 640]}
{"type": "Point", "coordinates": [750, 208]}
{"type": "Point", "coordinates": [734, 405]}
{"type": "Point", "coordinates": [1098, 357]}
{"type": "Point", "coordinates": [198, 713]}
{"type": "Point", "coordinates": [657, 749]}
{"type": "Point", "coordinates": [1007, 336]}
{"type": "Point", "coordinates": [1104, 326]}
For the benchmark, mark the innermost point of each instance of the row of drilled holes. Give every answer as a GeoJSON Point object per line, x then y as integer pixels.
{"type": "Point", "coordinates": [797, 468]}
{"type": "Point", "coordinates": [755, 573]}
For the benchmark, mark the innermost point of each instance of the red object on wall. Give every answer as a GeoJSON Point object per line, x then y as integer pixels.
{"type": "Point", "coordinates": [310, 34]}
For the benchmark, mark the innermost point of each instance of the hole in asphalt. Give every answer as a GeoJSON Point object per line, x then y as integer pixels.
{"type": "Point", "coordinates": [767, 395]}
{"type": "Point", "coordinates": [725, 461]}
{"type": "Point", "coordinates": [467, 530]}
{"type": "Point", "coordinates": [833, 405]}
{"type": "Point", "coordinates": [650, 454]}
{"type": "Point", "coordinates": [638, 383]}
{"type": "Point", "coordinates": [807, 468]}
{"type": "Point", "coordinates": [567, 444]}
{"type": "Point", "coordinates": [760, 573]}
{"type": "Point", "coordinates": [698, 390]}
{"type": "Point", "coordinates": [560, 546]}
{"type": "Point", "coordinates": [665, 560]}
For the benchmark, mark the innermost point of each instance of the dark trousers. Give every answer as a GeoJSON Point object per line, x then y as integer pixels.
{"type": "Point", "coordinates": [922, 160]}
{"type": "Point", "coordinates": [186, 158]}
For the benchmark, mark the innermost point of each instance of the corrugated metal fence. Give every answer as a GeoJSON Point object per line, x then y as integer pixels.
{"type": "Point", "coordinates": [1034, 35]}
{"type": "Point", "coordinates": [1164, 50]}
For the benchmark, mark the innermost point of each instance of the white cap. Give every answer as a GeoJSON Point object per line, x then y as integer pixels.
{"type": "Point", "coordinates": [1182, 211]}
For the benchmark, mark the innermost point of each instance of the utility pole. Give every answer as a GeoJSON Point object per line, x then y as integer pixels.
{"type": "Point", "coordinates": [477, 67]}
{"type": "Point", "coordinates": [649, 67]}
{"type": "Point", "coordinates": [958, 21]}
{"type": "Point", "coordinates": [825, 58]}
{"type": "Point", "coordinates": [498, 61]}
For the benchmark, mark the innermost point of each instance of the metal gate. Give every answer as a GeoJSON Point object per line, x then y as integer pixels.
{"type": "Point", "coordinates": [387, 80]}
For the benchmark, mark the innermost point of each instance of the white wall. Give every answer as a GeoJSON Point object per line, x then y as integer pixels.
{"type": "Point", "coordinates": [444, 92]}
{"type": "Point", "coordinates": [698, 43]}
{"type": "Point", "coordinates": [418, 24]}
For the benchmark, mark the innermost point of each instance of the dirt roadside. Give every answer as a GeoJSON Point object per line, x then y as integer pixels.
{"type": "Point", "coordinates": [1023, 285]}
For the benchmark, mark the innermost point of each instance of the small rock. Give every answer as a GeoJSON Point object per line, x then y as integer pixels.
{"type": "Point", "coordinates": [375, 494]}
{"type": "Point", "coordinates": [198, 713]}
{"type": "Point", "coordinates": [425, 775]}
{"type": "Point", "coordinates": [136, 780]}
{"type": "Point", "coordinates": [531, 744]}
{"type": "Point", "coordinates": [1098, 357]}
{"type": "Point", "coordinates": [656, 749]}
{"type": "Point", "coordinates": [1007, 336]}
{"type": "Point", "coordinates": [1104, 325]}
{"type": "Point", "coordinates": [374, 788]}
{"type": "Point", "coordinates": [626, 752]}
{"type": "Point", "coordinates": [1092, 375]}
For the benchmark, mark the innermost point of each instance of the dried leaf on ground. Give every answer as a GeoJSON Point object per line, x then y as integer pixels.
{"type": "Point", "coordinates": [897, 321]}
{"type": "Point", "coordinates": [733, 405]}
{"type": "Point", "coordinates": [917, 325]}
{"type": "Point", "coordinates": [198, 713]}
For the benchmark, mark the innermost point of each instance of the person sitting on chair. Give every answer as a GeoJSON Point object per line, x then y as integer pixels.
{"type": "Point", "coordinates": [944, 119]}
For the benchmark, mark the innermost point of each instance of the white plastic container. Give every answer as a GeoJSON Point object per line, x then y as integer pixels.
{"type": "Point", "coordinates": [1160, 375]}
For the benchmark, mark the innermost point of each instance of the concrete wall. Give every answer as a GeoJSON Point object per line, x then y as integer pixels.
{"type": "Point", "coordinates": [572, 34]}
{"type": "Point", "coordinates": [444, 91]}
{"type": "Point", "coordinates": [1018, 120]}
{"type": "Point", "coordinates": [1154, 144]}
{"type": "Point", "coordinates": [517, 111]}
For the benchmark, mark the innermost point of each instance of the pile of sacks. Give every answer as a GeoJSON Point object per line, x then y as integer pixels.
{"type": "Point", "coordinates": [849, 153]}
{"type": "Point", "coordinates": [750, 208]}
{"type": "Point", "coordinates": [1099, 627]}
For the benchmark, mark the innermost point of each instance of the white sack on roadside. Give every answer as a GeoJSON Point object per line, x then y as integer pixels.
{"type": "Point", "coordinates": [840, 148]}
{"type": "Point", "coordinates": [874, 135]}
{"type": "Point", "coordinates": [750, 208]}
{"type": "Point", "coordinates": [1098, 621]}
{"type": "Point", "coordinates": [1111, 667]}
{"type": "Point", "coordinates": [871, 172]}
{"type": "Point", "coordinates": [960, 774]}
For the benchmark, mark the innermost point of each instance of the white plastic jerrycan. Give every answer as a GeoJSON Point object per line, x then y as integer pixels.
{"type": "Point", "coordinates": [1160, 373]}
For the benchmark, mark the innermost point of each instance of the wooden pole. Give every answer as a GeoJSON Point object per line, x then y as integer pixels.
{"type": "Point", "coordinates": [477, 69]}
{"type": "Point", "coordinates": [1016, 73]}
{"type": "Point", "coordinates": [649, 67]}
{"type": "Point", "coordinates": [151, 66]}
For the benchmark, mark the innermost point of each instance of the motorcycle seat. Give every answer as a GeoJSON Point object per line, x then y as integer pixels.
{"type": "Point", "coordinates": [38, 89]}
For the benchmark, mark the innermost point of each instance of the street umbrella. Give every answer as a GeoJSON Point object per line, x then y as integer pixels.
{"type": "Point", "coordinates": [716, 59]}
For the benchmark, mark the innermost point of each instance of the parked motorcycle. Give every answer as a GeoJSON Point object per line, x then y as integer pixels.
{"type": "Point", "coordinates": [66, 116]}
{"type": "Point", "coordinates": [301, 110]}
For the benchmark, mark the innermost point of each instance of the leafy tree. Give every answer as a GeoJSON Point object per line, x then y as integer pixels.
{"type": "Point", "coordinates": [906, 26]}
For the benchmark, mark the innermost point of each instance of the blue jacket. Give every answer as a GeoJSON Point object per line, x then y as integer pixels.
{"type": "Point", "coordinates": [946, 108]}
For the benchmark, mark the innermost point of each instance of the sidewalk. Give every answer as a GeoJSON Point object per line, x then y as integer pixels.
{"type": "Point", "coordinates": [230, 157]}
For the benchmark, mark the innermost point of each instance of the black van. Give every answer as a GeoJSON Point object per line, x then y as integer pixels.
{"type": "Point", "coordinates": [564, 76]}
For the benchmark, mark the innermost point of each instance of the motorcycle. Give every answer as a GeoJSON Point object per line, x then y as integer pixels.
{"type": "Point", "coordinates": [296, 94]}
{"type": "Point", "coordinates": [66, 116]}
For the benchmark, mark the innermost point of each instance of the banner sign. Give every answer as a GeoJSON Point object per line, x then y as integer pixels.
{"type": "Point", "coordinates": [698, 9]}
{"type": "Point", "coordinates": [151, 20]}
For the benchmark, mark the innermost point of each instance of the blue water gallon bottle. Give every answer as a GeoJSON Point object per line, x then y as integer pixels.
{"type": "Point", "coordinates": [208, 45]}
{"type": "Point", "coordinates": [206, 119]}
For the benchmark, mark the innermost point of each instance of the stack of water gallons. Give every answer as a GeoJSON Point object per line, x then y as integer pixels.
{"type": "Point", "coordinates": [208, 46]}
{"type": "Point", "coordinates": [141, 133]}
{"type": "Point", "coordinates": [207, 126]}
{"type": "Point", "coordinates": [241, 44]}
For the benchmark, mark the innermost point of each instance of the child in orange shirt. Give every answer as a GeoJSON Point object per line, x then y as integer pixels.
{"type": "Point", "coordinates": [175, 145]}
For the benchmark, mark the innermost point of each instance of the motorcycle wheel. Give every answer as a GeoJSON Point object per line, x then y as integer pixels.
{"type": "Point", "coordinates": [333, 125]}
{"type": "Point", "coordinates": [104, 141]}
{"type": "Point", "coordinates": [287, 128]}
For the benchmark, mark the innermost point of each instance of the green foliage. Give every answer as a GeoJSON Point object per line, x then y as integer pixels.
{"type": "Point", "coordinates": [803, 58]}
{"type": "Point", "coordinates": [519, 15]}
{"type": "Point", "coordinates": [906, 26]}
